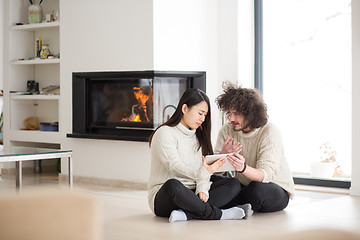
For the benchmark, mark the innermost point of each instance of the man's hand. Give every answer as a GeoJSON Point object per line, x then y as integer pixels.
{"type": "Point", "coordinates": [237, 160]}
{"type": "Point", "coordinates": [214, 166]}
{"type": "Point", "coordinates": [203, 196]}
{"type": "Point", "coordinates": [228, 147]}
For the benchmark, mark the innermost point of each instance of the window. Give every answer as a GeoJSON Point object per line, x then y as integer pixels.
{"type": "Point", "coordinates": [307, 83]}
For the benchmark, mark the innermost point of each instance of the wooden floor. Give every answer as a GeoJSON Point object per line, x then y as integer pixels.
{"type": "Point", "coordinates": [125, 215]}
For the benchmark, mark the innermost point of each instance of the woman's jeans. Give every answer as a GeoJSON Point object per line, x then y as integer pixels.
{"type": "Point", "coordinates": [173, 195]}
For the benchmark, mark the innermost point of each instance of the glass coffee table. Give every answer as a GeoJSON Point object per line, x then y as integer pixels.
{"type": "Point", "coordinates": [19, 154]}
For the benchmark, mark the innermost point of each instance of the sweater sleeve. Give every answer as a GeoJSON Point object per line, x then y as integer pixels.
{"type": "Point", "coordinates": [270, 152]}
{"type": "Point", "coordinates": [164, 144]}
{"type": "Point", "coordinates": [203, 186]}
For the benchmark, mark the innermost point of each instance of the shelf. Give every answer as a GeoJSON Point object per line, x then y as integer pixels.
{"type": "Point", "coordinates": [35, 97]}
{"type": "Point", "coordinates": [34, 136]}
{"type": "Point", "coordinates": [36, 26]}
{"type": "Point", "coordinates": [35, 61]}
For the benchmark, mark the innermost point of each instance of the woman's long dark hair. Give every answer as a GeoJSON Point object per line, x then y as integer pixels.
{"type": "Point", "coordinates": [191, 97]}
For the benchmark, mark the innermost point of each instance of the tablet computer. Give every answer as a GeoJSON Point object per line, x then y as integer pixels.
{"type": "Point", "coordinates": [209, 159]}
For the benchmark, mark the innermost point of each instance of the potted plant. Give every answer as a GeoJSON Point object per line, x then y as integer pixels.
{"type": "Point", "coordinates": [328, 167]}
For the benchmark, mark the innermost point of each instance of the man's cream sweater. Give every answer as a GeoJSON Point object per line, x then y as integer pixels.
{"type": "Point", "coordinates": [262, 148]}
{"type": "Point", "coordinates": [175, 154]}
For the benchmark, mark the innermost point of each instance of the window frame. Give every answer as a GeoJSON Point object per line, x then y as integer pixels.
{"type": "Point", "coordinates": [258, 83]}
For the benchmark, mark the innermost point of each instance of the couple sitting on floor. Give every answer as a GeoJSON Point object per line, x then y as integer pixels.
{"type": "Point", "coordinates": [182, 186]}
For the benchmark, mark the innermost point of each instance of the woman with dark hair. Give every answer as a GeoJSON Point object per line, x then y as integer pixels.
{"type": "Point", "coordinates": [179, 183]}
{"type": "Point", "coordinates": [259, 158]}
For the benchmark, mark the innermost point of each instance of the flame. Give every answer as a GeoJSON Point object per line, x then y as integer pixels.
{"type": "Point", "coordinates": [140, 96]}
{"type": "Point", "coordinates": [137, 118]}
{"type": "Point", "coordinates": [142, 99]}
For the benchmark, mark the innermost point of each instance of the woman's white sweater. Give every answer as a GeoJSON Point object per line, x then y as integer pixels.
{"type": "Point", "coordinates": [175, 154]}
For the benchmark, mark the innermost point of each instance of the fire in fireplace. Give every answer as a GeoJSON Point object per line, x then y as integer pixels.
{"type": "Point", "coordinates": [139, 111]}
{"type": "Point", "coordinates": [127, 105]}
{"type": "Point", "coordinates": [121, 104]}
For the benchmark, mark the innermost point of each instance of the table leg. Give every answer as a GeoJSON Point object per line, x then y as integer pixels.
{"type": "Point", "coordinates": [70, 172]}
{"type": "Point", "coordinates": [18, 166]}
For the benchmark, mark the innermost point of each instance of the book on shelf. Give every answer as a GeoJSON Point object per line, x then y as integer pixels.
{"type": "Point", "coordinates": [20, 93]}
{"type": "Point", "coordinates": [51, 90]}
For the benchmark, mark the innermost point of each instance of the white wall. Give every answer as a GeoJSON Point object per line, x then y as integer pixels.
{"type": "Point", "coordinates": [1, 47]}
{"type": "Point", "coordinates": [227, 56]}
{"type": "Point", "coordinates": [205, 40]}
{"type": "Point", "coordinates": [141, 35]}
{"type": "Point", "coordinates": [1, 56]}
{"type": "Point", "coordinates": [107, 35]}
{"type": "Point", "coordinates": [189, 42]}
{"type": "Point", "coordinates": [355, 183]}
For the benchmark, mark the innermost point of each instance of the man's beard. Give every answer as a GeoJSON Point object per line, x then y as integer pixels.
{"type": "Point", "coordinates": [242, 128]}
{"type": "Point", "coordinates": [238, 127]}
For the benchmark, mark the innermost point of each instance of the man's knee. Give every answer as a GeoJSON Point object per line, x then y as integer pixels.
{"type": "Point", "coordinates": [266, 197]}
{"type": "Point", "coordinates": [255, 190]}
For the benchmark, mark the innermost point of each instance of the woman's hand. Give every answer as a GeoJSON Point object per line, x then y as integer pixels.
{"type": "Point", "coordinates": [214, 166]}
{"type": "Point", "coordinates": [203, 196]}
{"type": "Point", "coordinates": [228, 147]}
{"type": "Point", "coordinates": [237, 160]}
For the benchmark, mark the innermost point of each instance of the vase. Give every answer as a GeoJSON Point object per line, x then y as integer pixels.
{"type": "Point", "coordinates": [44, 51]}
{"type": "Point", "coordinates": [35, 13]}
{"type": "Point", "coordinates": [323, 169]}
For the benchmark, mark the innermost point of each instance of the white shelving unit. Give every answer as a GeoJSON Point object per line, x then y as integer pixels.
{"type": "Point", "coordinates": [20, 66]}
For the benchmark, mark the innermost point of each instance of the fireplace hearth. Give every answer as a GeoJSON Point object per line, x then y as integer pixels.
{"type": "Point", "coordinates": [127, 105]}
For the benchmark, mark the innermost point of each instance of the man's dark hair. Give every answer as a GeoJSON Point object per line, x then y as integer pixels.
{"type": "Point", "coordinates": [245, 101]}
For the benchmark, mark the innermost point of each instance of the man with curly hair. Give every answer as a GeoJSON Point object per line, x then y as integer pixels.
{"type": "Point", "coordinates": [258, 158]}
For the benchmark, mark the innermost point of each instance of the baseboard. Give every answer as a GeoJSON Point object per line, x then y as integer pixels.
{"type": "Point", "coordinates": [332, 190]}
{"type": "Point", "coordinates": [63, 178]}
{"type": "Point", "coordinates": [354, 191]}
{"type": "Point", "coordinates": [27, 170]}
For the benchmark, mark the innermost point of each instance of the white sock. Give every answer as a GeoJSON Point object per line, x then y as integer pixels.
{"type": "Point", "coordinates": [177, 215]}
{"type": "Point", "coordinates": [247, 209]}
{"type": "Point", "coordinates": [232, 213]}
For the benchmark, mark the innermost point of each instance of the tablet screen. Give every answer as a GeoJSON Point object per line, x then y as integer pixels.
{"type": "Point", "coordinates": [224, 168]}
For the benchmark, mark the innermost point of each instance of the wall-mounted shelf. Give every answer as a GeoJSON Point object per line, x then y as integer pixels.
{"type": "Point", "coordinates": [35, 136]}
{"type": "Point", "coordinates": [35, 97]}
{"type": "Point", "coordinates": [35, 61]}
{"type": "Point", "coordinates": [36, 26]}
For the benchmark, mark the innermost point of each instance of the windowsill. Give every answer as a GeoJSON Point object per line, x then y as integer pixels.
{"type": "Point", "coordinates": [304, 175]}
{"type": "Point", "coordinates": [301, 187]}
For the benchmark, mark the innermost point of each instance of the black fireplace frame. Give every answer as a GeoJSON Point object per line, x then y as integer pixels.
{"type": "Point", "coordinates": [80, 81]}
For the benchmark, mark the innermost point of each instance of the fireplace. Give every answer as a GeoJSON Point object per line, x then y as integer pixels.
{"type": "Point", "coordinates": [127, 105]}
